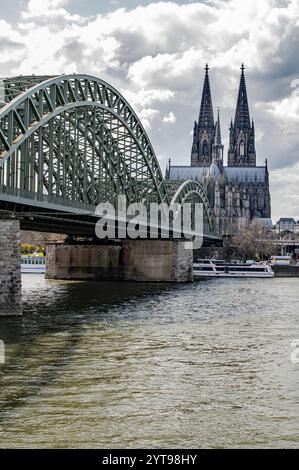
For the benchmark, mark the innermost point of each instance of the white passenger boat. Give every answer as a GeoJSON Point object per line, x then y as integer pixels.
{"type": "Point", "coordinates": [33, 265]}
{"type": "Point", "coordinates": [211, 268]}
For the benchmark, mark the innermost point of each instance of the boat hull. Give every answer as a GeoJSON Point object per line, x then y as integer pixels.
{"type": "Point", "coordinates": [197, 275]}
{"type": "Point", "coordinates": [220, 269]}
{"type": "Point", "coordinates": [33, 270]}
{"type": "Point", "coordinates": [33, 265]}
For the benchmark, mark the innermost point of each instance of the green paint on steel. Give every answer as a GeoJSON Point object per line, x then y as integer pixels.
{"type": "Point", "coordinates": [76, 140]}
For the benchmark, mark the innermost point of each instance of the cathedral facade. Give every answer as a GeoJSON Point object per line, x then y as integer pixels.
{"type": "Point", "coordinates": [239, 191]}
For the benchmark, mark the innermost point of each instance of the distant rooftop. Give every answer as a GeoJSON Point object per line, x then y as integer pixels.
{"type": "Point", "coordinates": [238, 174]}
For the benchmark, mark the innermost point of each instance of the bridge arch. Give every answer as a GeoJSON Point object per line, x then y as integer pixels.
{"type": "Point", "coordinates": [76, 139]}
{"type": "Point", "coordinates": [193, 191]}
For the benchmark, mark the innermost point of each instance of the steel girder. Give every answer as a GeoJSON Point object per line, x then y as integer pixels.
{"type": "Point", "coordinates": [192, 191]}
{"type": "Point", "coordinates": [77, 139]}
{"type": "Point", "coordinates": [74, 141]}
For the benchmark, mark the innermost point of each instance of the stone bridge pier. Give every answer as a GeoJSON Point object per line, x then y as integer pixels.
{"type": "Point", "coordinates": [128, 260]}
{"type": "Point", "coordinates": [10, 268]}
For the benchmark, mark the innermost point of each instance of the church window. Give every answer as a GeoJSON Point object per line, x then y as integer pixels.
{"type": "Point", "coordinates": [261, 200]}
{"type": "Point", "coordinates": [242, 148]}
{"type": "Point", "coordinates": [205, 148]}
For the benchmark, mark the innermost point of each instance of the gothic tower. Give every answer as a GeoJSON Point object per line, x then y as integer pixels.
{"type": "Point", "coordinates": [240, 191]}
{"type": "Point", "coordinates": [241, 152]}
{"type": "Point", "coordinates": [218, 148]}
{"type": "Point", "coordinates": [204, 129]}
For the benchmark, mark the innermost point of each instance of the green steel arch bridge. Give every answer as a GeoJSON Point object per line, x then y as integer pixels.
{"type": "Point", "coordinates": [70, 142]}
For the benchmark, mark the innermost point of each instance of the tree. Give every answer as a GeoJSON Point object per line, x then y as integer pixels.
{"type": "Point", "coordinates": [252, 241]}
{"type": "Point", "coordinates": [37, 241]}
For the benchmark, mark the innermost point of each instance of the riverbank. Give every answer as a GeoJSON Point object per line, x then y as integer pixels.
{"type": "Point", "coordinates": [286, 271]}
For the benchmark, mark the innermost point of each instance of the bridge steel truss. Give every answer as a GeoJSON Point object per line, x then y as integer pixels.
{"type": "Point", "coordinates": [192, 191]}
{"type": "Point", "coordinates": [72, 142]}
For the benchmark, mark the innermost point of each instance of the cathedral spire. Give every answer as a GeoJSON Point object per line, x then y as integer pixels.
{"type": "Point", "coordinates": [206, 115]}
{"type": "Point", "coordinates": [204, 130]}
{"type": "Point", "coordinates": [242, 136]}
{"type": "Point", "coordinates": [242, 117]}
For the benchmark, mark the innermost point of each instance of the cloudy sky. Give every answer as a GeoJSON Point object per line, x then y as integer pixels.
{"type": "Point", "coordinates": [154, 52]}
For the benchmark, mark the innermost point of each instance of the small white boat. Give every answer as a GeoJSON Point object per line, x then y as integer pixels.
{"type": "Point", "coordinates": [211, 268]}
{"type": "Point", "coordinates": [33, 265]}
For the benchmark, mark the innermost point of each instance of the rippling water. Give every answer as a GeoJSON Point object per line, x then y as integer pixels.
{"type": "Point", "coordinates": [107, 365]}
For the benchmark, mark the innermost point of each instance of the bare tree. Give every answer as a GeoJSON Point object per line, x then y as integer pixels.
{"type": "Point", "coordinates": [253, 241]}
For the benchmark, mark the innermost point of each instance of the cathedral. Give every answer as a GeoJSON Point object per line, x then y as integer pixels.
{"type": "Point", "coordinates": [239, 191]}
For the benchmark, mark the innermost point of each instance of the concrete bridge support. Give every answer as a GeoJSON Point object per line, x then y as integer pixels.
{"type": "Point", "coordinates": [129, 260]}
{"type": "Point", "coordinates": [10, 268]}
{"type": "Point", "coordinates": [157, 261]}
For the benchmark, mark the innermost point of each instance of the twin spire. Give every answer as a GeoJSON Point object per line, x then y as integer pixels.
{"type": "Point", "coordinates": [206, 114]}
{"type": "Point", "coordinates": [207, 134]}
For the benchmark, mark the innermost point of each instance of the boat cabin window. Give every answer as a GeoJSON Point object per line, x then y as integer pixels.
{"type": "Point", "coordinates": [204, 268]}
{"type": "Point", "coordinates": [248, 270]}
{"type": "Point", "coordinates": [33, 261]}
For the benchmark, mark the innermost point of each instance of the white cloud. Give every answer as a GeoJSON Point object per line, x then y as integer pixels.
{"type": "Point", "coordinates": [11, 43]}
{"type": "Point", "coordinates": [170, 118]}
{"type": "Point", "coordinates": [156, 53]}
{"type": "Point", "coordinates": [48, 8]}
{"type": "Point", "coordinates": [164, 67]}
{"type": "Point", "coordinates": [147, 115]}
{"type": "Point", "coordinates": [286, 111]}
{"type": "Point", "coordinates": [146, 97]}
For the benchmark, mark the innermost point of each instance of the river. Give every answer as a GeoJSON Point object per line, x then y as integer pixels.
{"type": "Point", "coordinates": [112, 365]}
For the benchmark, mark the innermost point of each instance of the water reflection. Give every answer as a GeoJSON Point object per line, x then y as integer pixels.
{"type": "Point", "coordinates": [111, 365]}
